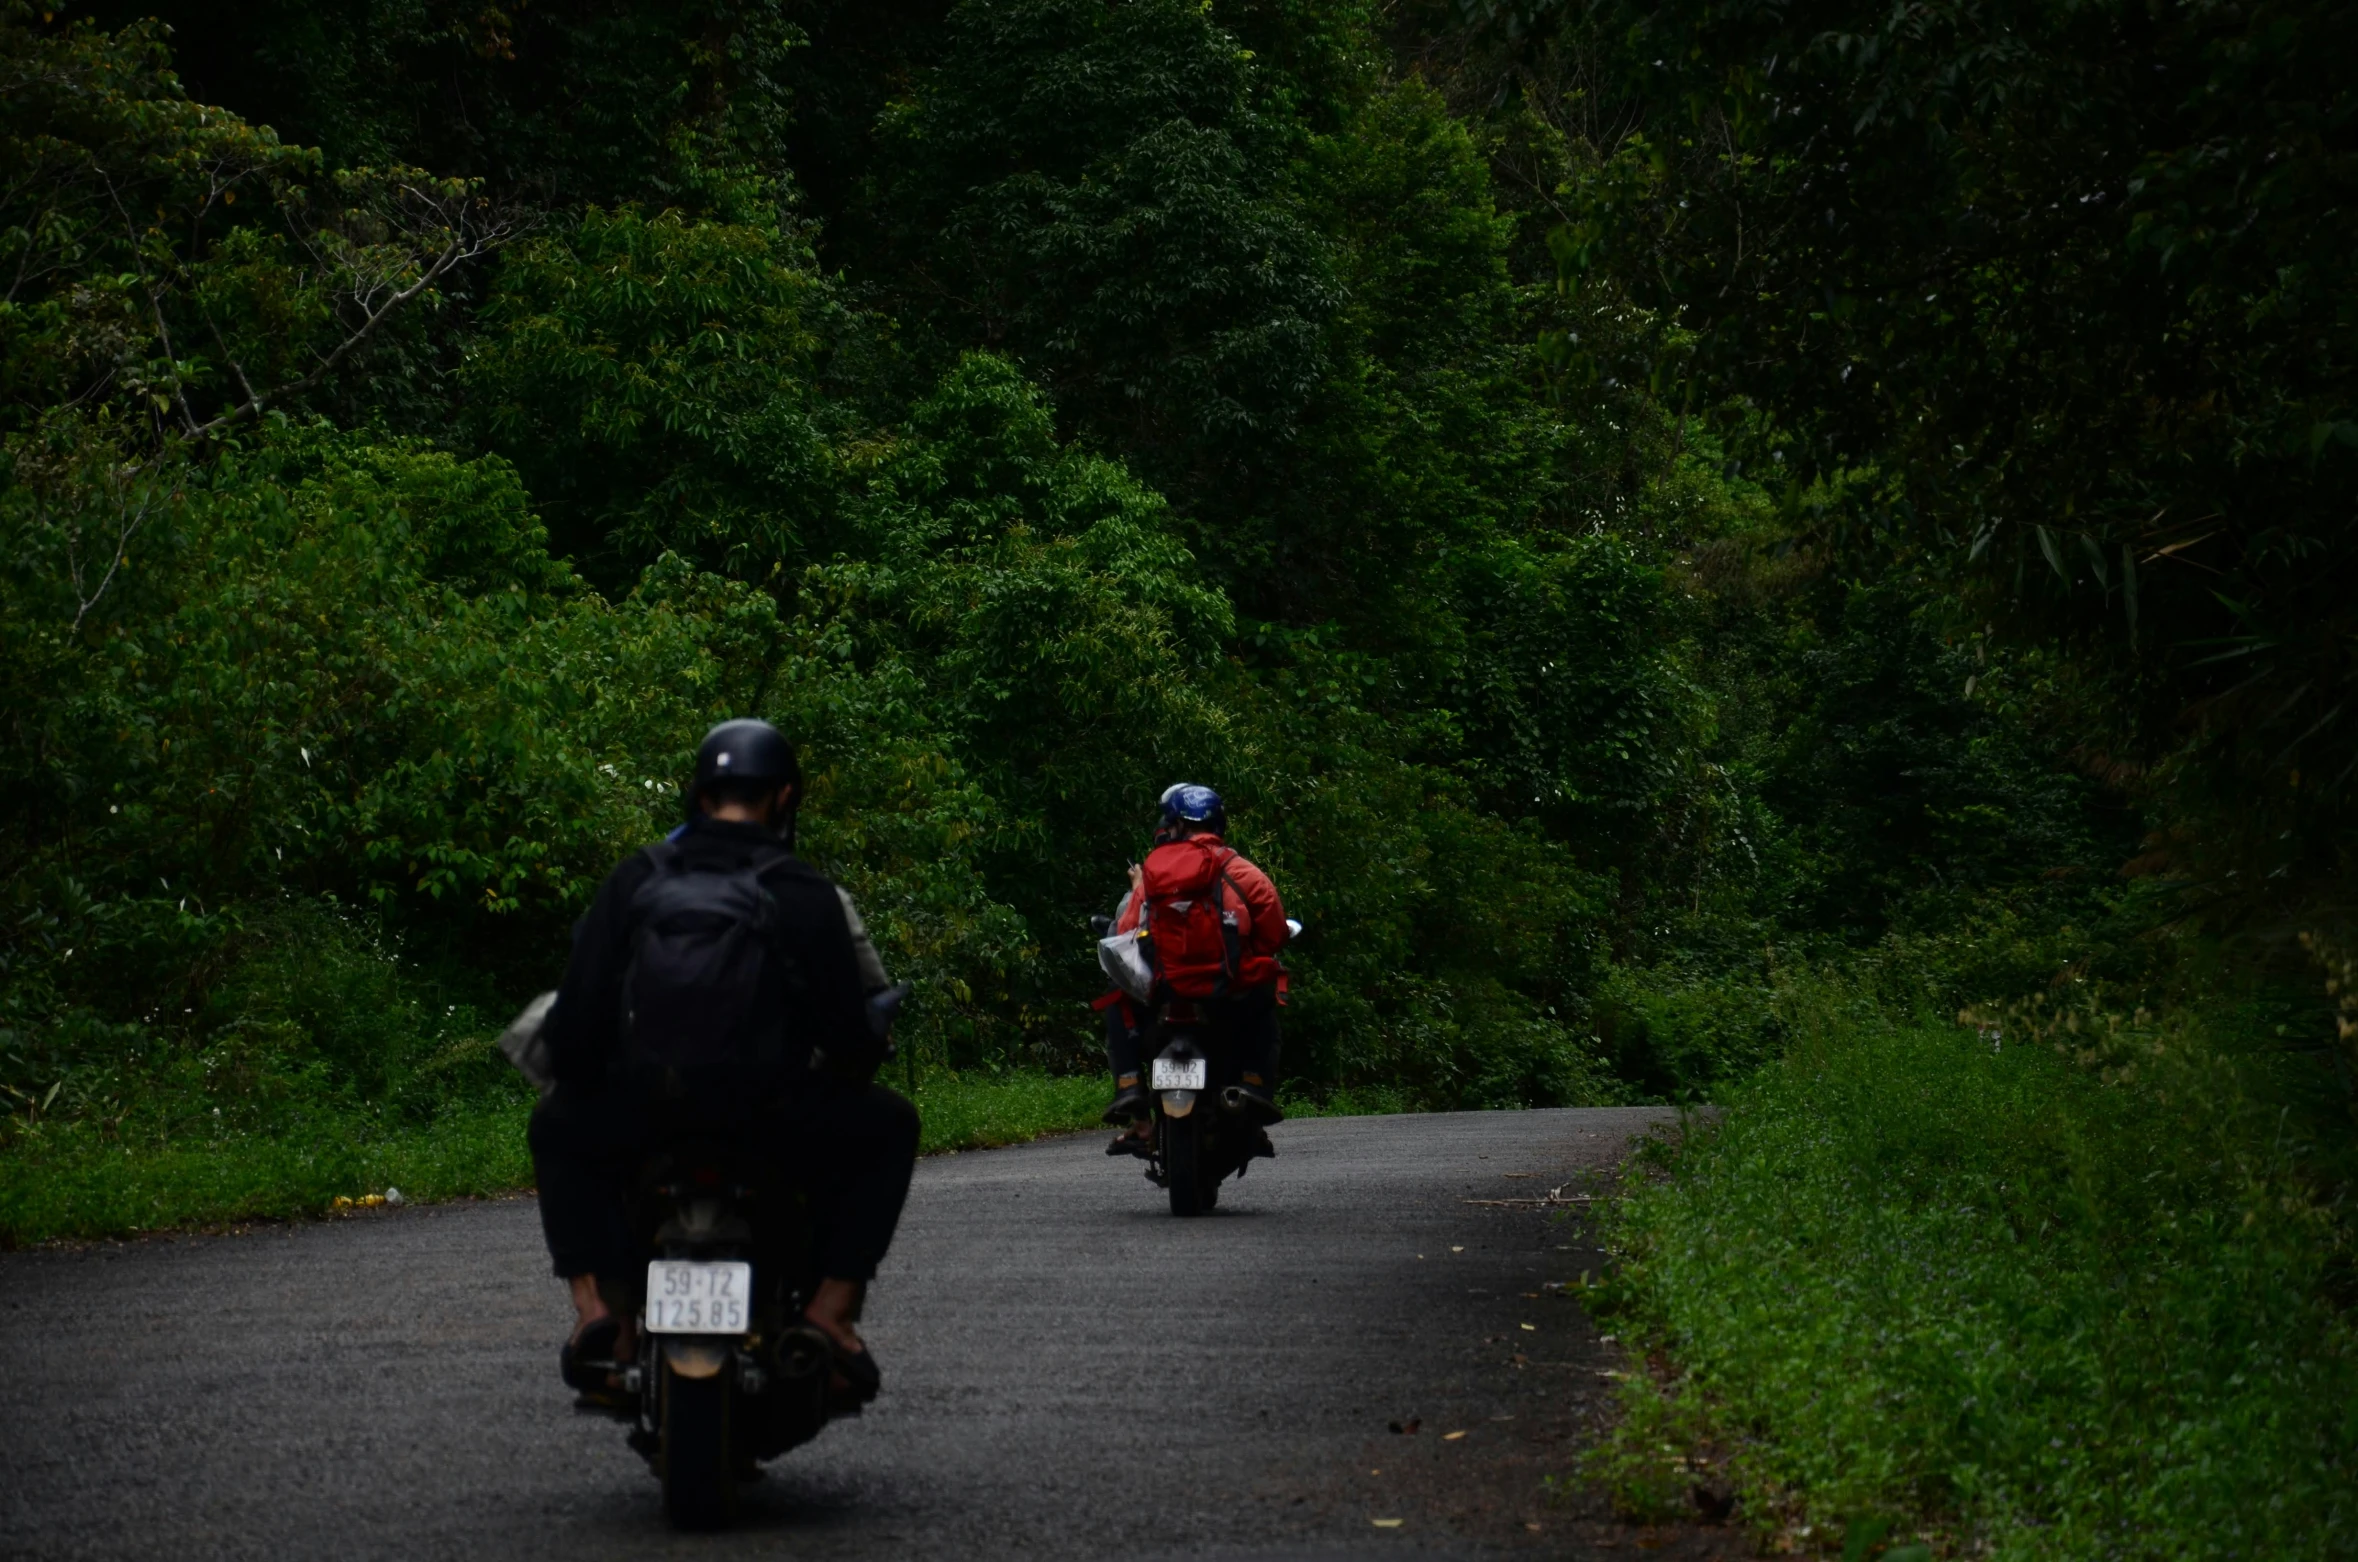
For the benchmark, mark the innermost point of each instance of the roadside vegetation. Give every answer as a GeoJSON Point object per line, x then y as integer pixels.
{"type": "Point", "coordinates": [1794, 558]}
{"type": "Point", "coordinates": [2023, 1290]}
{"type": "Point", "coordinates": [73, 1179]}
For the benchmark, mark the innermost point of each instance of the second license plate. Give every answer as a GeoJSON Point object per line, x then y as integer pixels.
{"type": "Point", "coordinates": [693, 1298]}
{"type": "Point", "coordinates": [1179, 1073]}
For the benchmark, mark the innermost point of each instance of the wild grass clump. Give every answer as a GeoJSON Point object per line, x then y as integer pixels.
{"type": "Point", "coordinates": [975, 1111]}
{"type": "Point", "coordinates": [1921, 1277]}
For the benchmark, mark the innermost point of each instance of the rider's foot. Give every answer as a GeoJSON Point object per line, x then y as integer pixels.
{"type": "Point", "coordinates": [585, 1361]}
{"type": "Point", "coordinates": [1139, 1141]}
{"type": "Point", "coordinates": [1129, 1103]}
{"type": "Point", "coordinates": [855, 1382]}
{"type": "Point", "coordinates": [834, 1310]}
{"type": "Point", "coordinates": [589, 1309]}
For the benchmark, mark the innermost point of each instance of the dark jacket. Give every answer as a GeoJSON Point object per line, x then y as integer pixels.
{"type": "Point", "coordinates": [826, 1016]}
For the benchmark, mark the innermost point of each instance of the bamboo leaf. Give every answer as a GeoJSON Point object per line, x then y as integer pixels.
{"type": "Point", "coordinates": [2054, 555]}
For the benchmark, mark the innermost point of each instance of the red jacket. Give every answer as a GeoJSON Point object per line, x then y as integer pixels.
{"type": "Point", "coordinates": [1262, 912]}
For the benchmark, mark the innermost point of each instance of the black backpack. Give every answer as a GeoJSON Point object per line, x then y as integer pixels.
{"type": "Point", "coordinates": [705, 949]}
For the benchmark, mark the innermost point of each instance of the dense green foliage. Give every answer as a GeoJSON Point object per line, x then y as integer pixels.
{"type": "Point", "coordinates": [383, 539]}
{"type": "Point", "coordinates": [1927, 1277]}
{"type": "Point", "coordinates": [2051, 303]}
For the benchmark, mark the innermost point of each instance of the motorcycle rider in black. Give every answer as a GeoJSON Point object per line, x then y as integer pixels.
{"type": "Point", "coordinates": [810, 1110]}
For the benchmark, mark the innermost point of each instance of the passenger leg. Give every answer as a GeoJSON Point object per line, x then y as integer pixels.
{"type": "Point", "coordinates": [852, 1149]}
{"type": "Point", "coordinates": [1252, 1017]}
{"type": "Point", "coordinates": [583, 1154]}
{"type": "Point", "coordinates": [1121, 1055]}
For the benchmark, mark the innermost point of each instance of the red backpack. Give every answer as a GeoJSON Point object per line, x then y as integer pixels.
{"type": "Point", "coordinates": [1197, 943]}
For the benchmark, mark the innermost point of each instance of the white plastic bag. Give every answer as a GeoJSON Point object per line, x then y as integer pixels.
{"type": "Point", "coordinates": [1126, 963]}
{"type": "Point", "coordinates": [526, 1044]}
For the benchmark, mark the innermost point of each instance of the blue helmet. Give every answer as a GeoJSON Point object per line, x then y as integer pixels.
{"type": "Point", "coordinates": [1185, 803]}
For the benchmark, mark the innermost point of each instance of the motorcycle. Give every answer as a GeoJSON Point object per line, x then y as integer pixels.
{"type": "Point", "coordinates": [728, 1373]}
{"type": "Point", "coordinates": [1205, 1128]}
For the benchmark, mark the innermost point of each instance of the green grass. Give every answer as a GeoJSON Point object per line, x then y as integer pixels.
{"type": "Point", "coordinates": [975, 1111]}
{"type": "Point", "coordinates": [73, 1180]}
{"type": "Point", "coordinates": [1914, 1282]}
{"type": "Point", "coordinates": [76, 1181]}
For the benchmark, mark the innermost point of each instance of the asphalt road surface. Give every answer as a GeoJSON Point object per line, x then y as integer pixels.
{"type": "Point", "coordinates": [1068, 1370]}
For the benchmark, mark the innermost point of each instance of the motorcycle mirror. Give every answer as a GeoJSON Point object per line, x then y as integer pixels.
{"type": "Point", "coordinates": [885, 1007]}
{"type": "Point", "coordinates": [1293, 930]}
{"type": "Point", "coordinates": [1101, 925]}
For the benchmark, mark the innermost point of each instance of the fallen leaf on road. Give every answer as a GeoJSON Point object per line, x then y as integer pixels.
{"type": "Point", "coordinates": [1409, 1425]}
{"type": "Point", "coordinates": [1457, 1250]}
{"type": "Point", "coordinates": [1531, 1327]}
{"type": "Point", "coordinates": [1387, 1523]}
{"type": "Point", "coordinates": [1451, 1437]}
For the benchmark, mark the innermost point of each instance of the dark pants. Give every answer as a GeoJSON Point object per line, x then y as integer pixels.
{"type": "Point", "coordinates": [1246, 1022]}
{"type": "Point", "coordinates": [850, 1148]}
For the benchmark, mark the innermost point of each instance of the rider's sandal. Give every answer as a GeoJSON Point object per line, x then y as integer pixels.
{"type": "Point", "coordinates": [855, 1382]}
{"type": "Point", "coordinates": [585, 1362]}
{"type": "Point", "coordinates": [1140, 1145]}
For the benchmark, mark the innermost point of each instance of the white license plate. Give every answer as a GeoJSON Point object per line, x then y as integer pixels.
{"type": "Point", "coordinates": [685, 1298]}
{"type": "Point", "coordinates": [1179, 1073]}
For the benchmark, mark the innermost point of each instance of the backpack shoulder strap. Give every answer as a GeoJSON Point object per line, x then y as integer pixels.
{"type": "Point", "coordinates": [662, 858]}
{"type": "Point", "coordinates": [1231, 931]}
{"type": "Point", "coordinates": [1220, 874]}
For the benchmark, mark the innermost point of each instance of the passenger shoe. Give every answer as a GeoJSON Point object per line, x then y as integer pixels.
{"type": "Point", "coordinates": [1127, 1105]}
{"type": "Point", "coordinates": [1140, 1145]}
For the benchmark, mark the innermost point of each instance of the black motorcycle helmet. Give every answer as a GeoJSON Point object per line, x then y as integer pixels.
{"type": "Point", "coordinates": [744, 761]}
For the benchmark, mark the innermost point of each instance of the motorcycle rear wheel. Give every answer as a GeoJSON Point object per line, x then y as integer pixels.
{"type": "Point", "coordinates": [699, 1472]}
{"type": "Point", "coordinates": [1182, 1164]}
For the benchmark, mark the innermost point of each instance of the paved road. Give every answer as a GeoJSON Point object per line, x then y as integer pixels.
{"type": "Point", "coordinates": [1069, 1372]}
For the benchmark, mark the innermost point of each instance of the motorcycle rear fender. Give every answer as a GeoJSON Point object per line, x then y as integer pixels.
{"type": "Point", "coordinates": [698, 1358]}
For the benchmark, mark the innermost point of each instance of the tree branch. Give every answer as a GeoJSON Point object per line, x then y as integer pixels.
{"type": "Point", "coordinates": [462, 246]}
